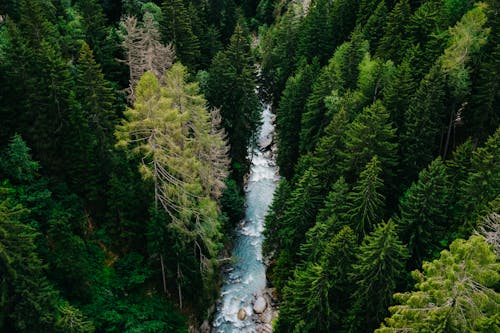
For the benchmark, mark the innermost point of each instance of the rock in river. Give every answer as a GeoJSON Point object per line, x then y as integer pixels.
{"type": "Point", "coordinates": [260, 304]}
{"type": "Point", "coordinates": [242, 314]}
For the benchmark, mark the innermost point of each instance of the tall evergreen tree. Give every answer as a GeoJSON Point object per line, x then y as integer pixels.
{"type": "Point", "coordinates": [425, 210]}
{"type": "Point", "coordinates": [423, 125]}
{"type": "Point", "coordinates": [316, 296]}
{"type": "Point", "coordinates": [370, 134]}
{"type": "Point", "coordinates": [380, 265]}
{"type": "Point", "coordinates": [366, 202]}
{"type": "Point", "coordinates": [176, 28]}
{"type": "Point", "coordinates": [288, 116]}
{"type": "Point", "coordinates": [231, 87]}
{"type": "Point", "coordinates": [394, 41]}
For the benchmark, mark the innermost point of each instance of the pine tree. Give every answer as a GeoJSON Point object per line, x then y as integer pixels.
{"type": "Point", "coordinates": [394, 41]}
{"type": "Point", "coordinates": [370, 134]}
{"type": "Point", "coordinates": [373, 30]}
{"type": "Point", "coordinates": [397, 95]}
{"type": "Point", "coordinates": [330, 219]}
{"type": "Point", "coordinates": [318, 23]}
{"type": "Point", "coordinates": [326, 153]}
{"type": "Point", "coordinates": [176, 28]}
{"type": "Point", "coordinates": [274, 218]}
{"type": "Point", "coordinates": [380, 265]}
{"type": "Point", "coordinates": [318, 292]}
{"type": "Point", "coordinates": [298, 216]}
{"type": "Point", "coordinates": [340, 74]}
{"type": "Point", "coordinates": [483, 183]}
{"type": "Point", "coordinates": [231, 87]}
{"type": "Point", "coordinates": [288, 116]}
{"type": "Point", "coordinates": [423, 125]}
{"type": "Point", "coordinates": [365, 201]}
{"type": "Point", "coordinates": [425, 209]}
{"type": "Point", "coordinates": [455, 293]}
{"type": "Point", "coordinates": [96, 97]}
{"type": "Point", "coordinates": [28, 300]}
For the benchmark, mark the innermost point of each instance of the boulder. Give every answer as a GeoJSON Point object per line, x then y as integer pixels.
{"type": "Point", "coordinates": [242, 314]}
{"type": "Point", "coordinates": [260, 305]}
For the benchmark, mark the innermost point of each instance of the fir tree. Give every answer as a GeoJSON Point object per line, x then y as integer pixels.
{"type": "Point", "coordinates": [381, 260]}
{"type": "Point", "coordinates": [289, 114]}
{"type": "Point", "coordinates": [366, 202]}
{"type": "Point", "coordinates": [425, 209]}
{"type": "Point", "coordinates": [370, 134]}
{"type": "Point", "coordinates": [176, 28]}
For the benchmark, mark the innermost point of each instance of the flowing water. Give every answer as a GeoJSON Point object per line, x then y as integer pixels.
{"type": "Point", "coordinates": [246, 278]}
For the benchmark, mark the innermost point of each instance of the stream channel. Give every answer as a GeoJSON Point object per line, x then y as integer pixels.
{"type": "Point", "coordinates": [245, 279]}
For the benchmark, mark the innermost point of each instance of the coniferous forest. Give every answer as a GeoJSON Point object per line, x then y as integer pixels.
{"type": "Point", "coordinates": [124, 135]}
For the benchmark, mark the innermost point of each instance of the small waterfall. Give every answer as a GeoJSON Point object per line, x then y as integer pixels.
{"type": "Point", "coordinates": [246, 279]}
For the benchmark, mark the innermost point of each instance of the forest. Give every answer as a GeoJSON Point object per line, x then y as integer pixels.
{"type": "Point", "coordinates": [124, 135]}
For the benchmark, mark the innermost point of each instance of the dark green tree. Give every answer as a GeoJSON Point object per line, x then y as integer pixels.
{"type": "Point", "coordinates": [394, 41]}
{"type": "Point", "coordinates": [176, 28]}
{"type": "Point", "coordinates": [327, 152]}
{"type": "Point", "coordinates": [483, 183]}
{"type": "Point", "coordinates": [423, 126]}
{"type": "Point", "coordinates": [373, 30]}
{"type": "Point", "coordinates": [425, 209]}
{"type": "Point", "coordinates": [380, 266]}
{"type": "Point", "coordinates": [319, 291]}
{"type": "Point", "coordinates": [274, 218]}
{"type": "Point", "coordinates": [340, 74]}
{"type": "Point", "coordinates": [289, 114]}
{"type": "Point", "coordinates": [370, 134]}
{"type": "Point", "coordinates": [298, 216]}
{"type": "Point", "coordinates": [365, 201]}
{"type": "Point", "coordinates": [329, 220]}
{"type": "Point", "coordinates": [231, 87]}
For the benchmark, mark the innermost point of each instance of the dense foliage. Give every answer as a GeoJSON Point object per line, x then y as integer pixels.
{"type": "Point", "coordinates": [383, 144]}
{"type": "Point", "coordinates": [114, 165]}
{"type": "Point", "coordinates": [124, 134]}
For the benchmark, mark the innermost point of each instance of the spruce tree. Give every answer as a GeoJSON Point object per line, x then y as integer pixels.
{"type": "Point", "coordinates": [231, 87]}
{"type": "Point", "coordinates": [425, 209]}
{"type": "Point", "coordinates": [365, 201]}
{"type": "Point", "coordinates": [370, 134]}
{"type": "Point", "coordinates": [176, 28]}
{"type": "Point", "coordinates": [318, 292]}
{"type": "Point", "coordinates": [288, 116]}
{"type": "Point", "coordinates": [394, 41]}
{"type": "Point", "coordinates": [423, 125]}
{"type": "Point", "coordinates": [380, 266]}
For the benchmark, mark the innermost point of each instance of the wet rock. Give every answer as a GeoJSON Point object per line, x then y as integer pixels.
{"type": "Point", "coordinates": [242, 314]}
{"type": "Point", "coordinates": [260, 305]}
{"type": "Point", "coordinates": [205, 327]}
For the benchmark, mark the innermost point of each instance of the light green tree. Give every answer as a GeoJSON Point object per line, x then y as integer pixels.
{"type": "Point", "coordinates": [455, 293]}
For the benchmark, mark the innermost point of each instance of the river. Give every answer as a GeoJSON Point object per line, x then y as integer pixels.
{"type": "Point", "coordinates": [246, 277]}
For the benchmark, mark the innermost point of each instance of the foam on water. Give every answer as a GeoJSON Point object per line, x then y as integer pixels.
{"type": "Point", "coordinates": [248, 274]}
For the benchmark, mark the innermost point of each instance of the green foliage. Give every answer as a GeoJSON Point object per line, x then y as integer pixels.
{"type": "Point", "coordinates": [317, 293]}
{"type": "Point", "coordinates": [231, 85]}
{"type": "Point", "coordinates": [176, 28]}
{"type": "Point", "coordinates": [455, 293]}
{"type": "Point", "coordinates": [395, 38]}
{"type": "Point", "coordinates": [366, 202]}
{"type": "Point", "coordinates": [423, 125]}
{"type": "Point", "coordinates": [425, 209]}
{"type": "Point", "coordinates": [380, 262]}
{"type": "Point", "coordinates": [370, 134]}
{"type": "Point", "coordinates": [289, 116]}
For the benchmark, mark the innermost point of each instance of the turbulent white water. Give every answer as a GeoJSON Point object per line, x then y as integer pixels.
{"type": "Point", "coordinates": [247, 276]}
